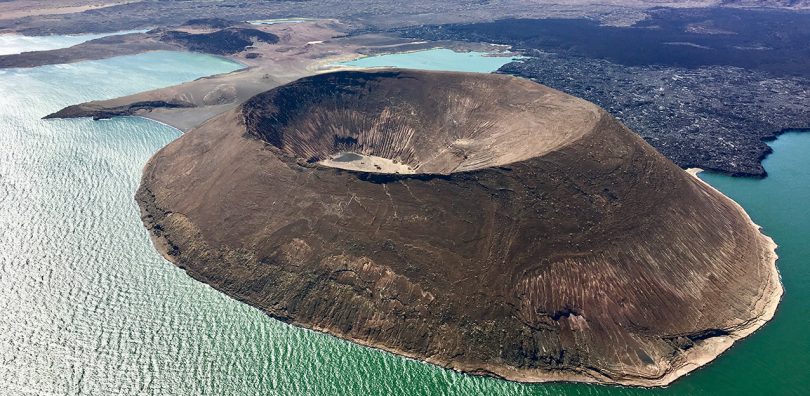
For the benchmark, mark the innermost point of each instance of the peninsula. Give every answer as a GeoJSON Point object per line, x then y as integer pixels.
{"type": "Point", "coordinates": [483, 223]}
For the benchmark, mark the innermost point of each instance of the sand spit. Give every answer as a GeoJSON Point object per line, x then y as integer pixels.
{"type": "Point", "coordinates": [267, 65]}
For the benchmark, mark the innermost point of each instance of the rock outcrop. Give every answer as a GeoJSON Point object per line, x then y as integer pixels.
{"type": "Point", "coordinates": [100, 112]}
{"type": "Point", "coordinates": [222, 42]}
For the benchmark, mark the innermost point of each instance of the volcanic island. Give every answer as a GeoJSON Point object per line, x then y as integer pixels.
{"type": "Point", "coordinates": [480, 222]}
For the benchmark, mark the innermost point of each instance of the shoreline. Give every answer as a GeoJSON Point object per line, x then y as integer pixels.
{"type": "Point", "coordinates": [768, 301]}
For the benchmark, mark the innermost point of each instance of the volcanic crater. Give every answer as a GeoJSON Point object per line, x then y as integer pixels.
{"type": "Point", "coordinates": [438, 123]}
{"type": "Point", "coordinates": [483, 223]}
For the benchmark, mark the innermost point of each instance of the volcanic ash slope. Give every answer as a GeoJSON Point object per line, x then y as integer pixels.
{"type": "Point", "coordinates": [479, 222]}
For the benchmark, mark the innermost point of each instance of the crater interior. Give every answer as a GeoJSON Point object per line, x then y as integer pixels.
{"type": "Point", "coordinates": [437, 124]}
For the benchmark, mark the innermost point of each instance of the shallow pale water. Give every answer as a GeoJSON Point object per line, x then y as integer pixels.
{"type": "Point", "coordinates": [280, 21]}
{"type": "Point", "coordinates": [436, 59]}
{"type": "Point", "coordinates": [15, 43]}
{"type": "Point", "coordinates": [89, 307]}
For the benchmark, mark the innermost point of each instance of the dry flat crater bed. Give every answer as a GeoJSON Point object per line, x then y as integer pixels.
{"type": "Point", "coordinates": [479, 222]}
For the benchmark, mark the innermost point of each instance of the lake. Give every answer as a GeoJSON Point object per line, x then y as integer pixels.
{"type": "Point", "coordinates": [436, 59]}
{"type": "Point", "coordinates": [90, 308]}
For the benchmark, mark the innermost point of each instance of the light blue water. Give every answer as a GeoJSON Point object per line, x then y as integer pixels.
{"type": "Point", "coordinates": [436, 59]}
{"type": "Point", "coordinates": [15, 44]}
{"type": "Point", "coordinates": [279, 21]}
{"type": "Point", "coordinates": [89, 307]}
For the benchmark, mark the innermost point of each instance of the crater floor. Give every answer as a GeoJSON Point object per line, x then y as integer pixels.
{"type": "Point", "coordinates": [365, 163]}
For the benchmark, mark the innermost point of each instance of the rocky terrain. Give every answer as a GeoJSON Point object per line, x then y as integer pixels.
{"type": "Point", "coordinates": [224, 41]}
{"type": "Point", "coordinates": [38, 17]}
{"type": "Point", "coordinates": [101, 112]}
{"type": "Point", "coordinates": [708, 87]}
{"type": "Point", "coordinates": [537, 238]}
{"type": "Point", "coordinates": [717, 118]}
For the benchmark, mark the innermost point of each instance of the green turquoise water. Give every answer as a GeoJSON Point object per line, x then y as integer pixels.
{"type": "Point", "coordinates": [436, 59]}
{"type": "Point", "coordinates": [87, 306]}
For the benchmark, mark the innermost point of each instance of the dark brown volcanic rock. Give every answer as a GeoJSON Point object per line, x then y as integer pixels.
{"type": "Point", "coordinates": [100, 112]}
{"type": "Point", "coordinates": [223, 42]}
{"type": "Point", "coordinates": [537, 239]}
